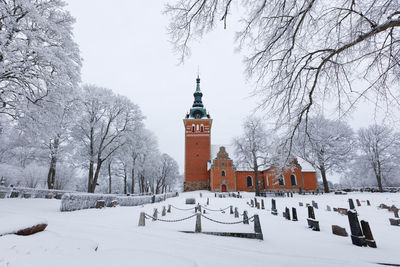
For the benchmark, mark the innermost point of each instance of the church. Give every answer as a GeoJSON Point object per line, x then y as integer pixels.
{"type": "Point", "coordinates": [209, 167]}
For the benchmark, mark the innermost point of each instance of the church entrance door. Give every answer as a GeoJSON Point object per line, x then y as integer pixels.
{"type": "Point", "coordinates": [223, 188]}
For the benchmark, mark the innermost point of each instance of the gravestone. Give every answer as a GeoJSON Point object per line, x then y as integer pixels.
{"type": "Point", "coordinates": [230, 209]}
{"type": "Point", "coordinates": [142, 219]}
{"type": "Point", "coordinates": [328, 208]}
{"type": "Point", "coordinates": [287, 212]}
{"type": "Point", "coordinates": [300, 204]}
{"type": "Point", "coordinates": [255, 202]}
{"type": "Point", "coordinates": [273, 208]}
{"type": "Point", "coordinates": [245, 217]}
{"type": "Point", "coordinates": [201, 195]}
{"type": "Point", "coordinates": [291, 194]}
{"type": "Point", "coordinates": [287, 194]}
{"type": "Point", "coordinates": [252, 202]}
{"type": "Point", "coordinates": [164, 211]}
{"type": "Point", "coordinates": [294, 214]}
{"type": "Point", "coordinates": [257, 226]}
{"type": "Point", "coordinates": [100, 204]}
{"type": "Point", "coordinates": [351, 204]}
{"type": "Point", "coordinates": [208, 201]}
{"type": "Point", "coordinates": [197, 228]}
{"type": "Point", "coordinates": [153, 199]}
{"type": "Point", "coordinates": [368, 203]}
{"type": "Point", "coordinates": [395, 222]}
{"type": "Point", "coordinates": [215, 195]}
{"type": "Point", "coordinates": [396, 213]}
{"type": "Point", "coordinates": [340, 231]}
{"type": "Point", "coordinates": [14, 194]}
{"type": "Point", "coordinates": [335, 209]}
{"type": "Point", "coordinates": [357, 237]}
{"type": "Point", "coordinates": [262, 204]}
{"type": "Point", "coordinates": [169, 209]}
{"type": "Point", "coordinates": [155, 214]}
{"type": "Point", "coordinates": [190, 201]}
{"type": "Point", "coordinates": [315, 205]}
{"type": "Point", "coordinates": [368, 234]}
{"type": "Point", "coordinates": [358, 202]}
{"type": "Point", "coordinates": [312, 223]}
{"type": "Point", "coordinates": [236, 212]}
{"type": "Point", "coordinates": [27, 195]}
{"type": "Point", "coordinates": [258, 205]}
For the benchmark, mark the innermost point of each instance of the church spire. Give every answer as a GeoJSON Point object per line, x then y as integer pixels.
{"type": "Point", "coordinates": [198, 111]}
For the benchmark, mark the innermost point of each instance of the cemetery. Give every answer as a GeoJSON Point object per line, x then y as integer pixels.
{"type": "Point", "coordinates": [202, 228]}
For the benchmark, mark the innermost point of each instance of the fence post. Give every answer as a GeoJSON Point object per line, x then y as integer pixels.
{"type": "Point", "coordinates": [169, 209]}
{"type": "Point", "coordinates": [236, 212]}
{"type": "Point", "coordinates": [155, 214]}
{"type": "Point", "coordinates": [197, 229]}
{"type": "Point", "coordinates": [142, 219]}
{"type": "Point", "coordinates": [164, 211]}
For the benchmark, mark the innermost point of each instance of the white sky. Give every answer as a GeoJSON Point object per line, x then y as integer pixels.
{"type": "Point", "coordinates": [125, 48]}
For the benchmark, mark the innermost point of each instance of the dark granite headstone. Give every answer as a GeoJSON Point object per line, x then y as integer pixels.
{"type": "Point", "coordinates": [357, 236]}
{"type": "Point", "coordinates": [14, 194]}
{"type": "Point", "coordinates": [236, 212]}
{"type": "Point", "coordinates": [208, 201]}
{"type": "Point", "coordinates": [153, 199]}
{"type": "Point", "coordinates": [273, 208]}
{"type": "Point", "coordinates": [197, 228]}
{"type": "Point", "coordinates": [300, 204]}
{"type": "Point", "coordinates": [230, 209]}
{"type": "Point", "coordinates": [262, 204]}
{"type": "Point", "coordinates": [351, 204]}
{"type": "Point", "coordinates": [328, 208]}
{"type": "Point", "coordinates": [368, 203]}
{"type": "Point", "coordinates": [287, 212]}
{"type": "Point", "coordinates": [257, 225]}
{"type": "Point", "coordinates": [164, 211]}
{"type": "Point", "coordinates": [358, 202]}
{"type": "Point", "coordinates": [395, 222]}
{"type": "Point", "coordinates": [252, 202]}
{"type": "Point", "coordinates": [190, 201]}
{"type": "Point", "coordinates": [311, 214]}
{"type": "Point", "coordinates": [294, 214]}
{"type": "Point", "coordinates": [169, 209]}
{"type": "Point", "coordinates": [368, 234]}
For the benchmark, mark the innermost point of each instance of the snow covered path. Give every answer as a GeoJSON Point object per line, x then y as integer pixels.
{"type": "Point", "coordinates": [71, 238]}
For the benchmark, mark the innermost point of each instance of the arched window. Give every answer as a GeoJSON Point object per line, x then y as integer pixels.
{"type": "Point", "coordinates": [202, 128]}
{"type": "Point", "coordinates": [281, 180]}
{"type": "Point", "coordinates": [293, 180]}
{"type": "Point", "coordinates": [249, 181]}
{"type": "Point", "coordinates": [193, 128]}
{"type": "Point", "coordinates": [223, 173]}
{"type": "Point", "coordinates": [197, 127]}
{"type": "Point", "coordinates": [267, 178]}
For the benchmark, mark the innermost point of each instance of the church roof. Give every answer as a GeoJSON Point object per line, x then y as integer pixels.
{"type": "Point", "coordinates": [305, 166]}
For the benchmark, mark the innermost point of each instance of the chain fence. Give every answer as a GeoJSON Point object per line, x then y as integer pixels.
{"type": "Point", "coordinates": [147, 216]}
{"type": "Point", "coordinates": [237, 222]}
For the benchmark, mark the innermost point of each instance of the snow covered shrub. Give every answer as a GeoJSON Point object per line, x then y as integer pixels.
{"type": "Point", "coordinates": [34, 176]}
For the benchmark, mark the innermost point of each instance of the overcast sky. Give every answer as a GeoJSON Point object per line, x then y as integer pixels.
{"type": "Point", "coordinates": [125, 48]}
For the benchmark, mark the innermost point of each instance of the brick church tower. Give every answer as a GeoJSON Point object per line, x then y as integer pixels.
{"type": "Point", "coordinates": [197, 144]}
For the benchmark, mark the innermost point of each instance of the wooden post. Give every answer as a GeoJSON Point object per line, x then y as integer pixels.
{"type": "Point", "coordinates": [169, 209]}
{"type": "Point", "coordinates": [236, 212]}
{"type": "Point", "coordinates": [197, 228]}
{"type": "Point", "coordinates": [155, 214]}
{"type": "Point", "coordinates": [142, 219]}
{"type": "Point", "coordinates": [164, 211]}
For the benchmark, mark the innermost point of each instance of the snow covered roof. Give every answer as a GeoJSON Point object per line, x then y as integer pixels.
{"type": "Point", "coordinates": [305, 166]}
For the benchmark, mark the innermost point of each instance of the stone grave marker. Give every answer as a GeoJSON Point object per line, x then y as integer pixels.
{"type": "Point", "coordinates": [164, 211]}
{"type": "Point", "coordinates": [351, 204]}
{"type": "Point", "coordinates": [257, 227]}
{"type": "Point", "coordinates": [294, 214]}
{"type": "Point", "coordinates": [357, 237]}
{"type": "Point", "coordinates": [395, 222]}
{"type": "Point", "coordinates": [358, 202]}
{"type": "Point", "coordinates": [252, 202]}
{"type": "Point", "coordinates": [59, 195]}
{"type": "Point", "coordinates": [100, 204]}
{"type": "Point", "coordinates": [258, 205]}
{"type": "Point", "coordinates": [190, 201]}
{"type": "Point", "coordinates": [300, 204]}
{"type": "Point", "coordinates": [396, 213]}
{"type": "Point", "coordinates": [201, 195]}
{"type": "Point", "coordinates": [328, 208]}
{"type": "Point", "coordinates": [27, 195]}
{"type": "Point", "coordinates": [3, 194]}
{"type": "Point", "coordinates": [14, 194]}
{"type": "Point", "coordinates": [340, 231]}
{"type": "Point", "coordinates": [169, 209]}
{"type": "Point", "coordinates": [368, 234]}
{"type": "Point", "coordinates": [368, 203]}
{"type": "Point", "coordinates": [312, 223]}
{"type": "Point", "coordinates": [262, 204]}
{"type": "Point", "coordinates": [273, 208]}
{"type": "Point", "coordinates": [287, 213]}
{"type": "Point", "coordinates": [208, 201]}
{"type": "Point", "coordinates": [231, 209]}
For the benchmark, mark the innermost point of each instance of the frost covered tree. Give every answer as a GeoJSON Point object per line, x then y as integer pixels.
{"type": "Point", "coordinates": [254, 149]}
{"type": "Point", "coordinates": [104, 122]}
{"type": "Point", "coordinates": [37, 52]}
{"type": "Point", "coordinates": [303, 52]}
{"type": "Point", "coordinates": [168, 172]}
{"type": "Point", "coordinates": [326, 144]}
{"type": "Point", "coordinates": [380, 147]}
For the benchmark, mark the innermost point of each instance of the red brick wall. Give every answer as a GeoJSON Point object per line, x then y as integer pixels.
{"type": "Point", "coordinates": [197, 153]}
{"type": "Point", "coordinates": [222, 163]}
{"type": "Point", "coordinates": [241, 180]}
{"type": "Point", "coordinates": [310, 181]}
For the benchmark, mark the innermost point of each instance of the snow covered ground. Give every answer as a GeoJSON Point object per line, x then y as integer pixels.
{"type": "Point", "coordinates": [111, 236]}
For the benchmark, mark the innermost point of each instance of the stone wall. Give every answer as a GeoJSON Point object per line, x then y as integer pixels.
{"type": "Point", "coordinates": [192, 186]}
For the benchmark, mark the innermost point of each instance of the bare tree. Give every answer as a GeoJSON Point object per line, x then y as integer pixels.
{"type": "Point", "coordinates": [302, 52]}
{"type": "Point", "coordinates": [380, 146]}
{"type": "Point", "coordinates": [254, 148]}
{"type": "Point", "coordinates": [327, 145]}
{"type": "Point", "coordinates": [37, 52]}
{"type": "Point", "coordinates": [102, 128]}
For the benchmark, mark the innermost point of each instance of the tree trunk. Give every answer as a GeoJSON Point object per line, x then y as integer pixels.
{"type": "Point", "coordinates": [109, 177]}
{"type": "Point", "coordinates": [379, 177]}
{"type": "Point", "coordinates": [125, 181]}
{"type": "Point", "coordinates": [257, 185]}
{"type": "Point", "coordinates": [324, 180]}
{"type": "Point", "coordinates": [51, 176]}
{"type": "Point", "coordinates": [96, 176]}
{"type": "Point", "coordinates": [90, 176]}
{"type": "Point", "coordinates": [133, 180]}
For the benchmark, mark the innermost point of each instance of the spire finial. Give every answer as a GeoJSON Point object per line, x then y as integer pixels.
{"type": "Point", "coordinates": [198, 71]}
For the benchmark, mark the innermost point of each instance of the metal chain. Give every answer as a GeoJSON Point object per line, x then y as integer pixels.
{"type": "Point", "coordinates": [180, 208]}
{"type": "Point", "coordinates": [215, 210]}
{"type": "Point", "coordinates": [223, 222]}
{"type": "Point", "coordinates": [162, 220]}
